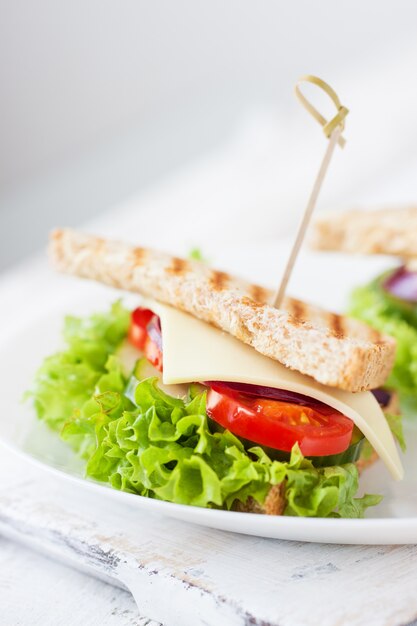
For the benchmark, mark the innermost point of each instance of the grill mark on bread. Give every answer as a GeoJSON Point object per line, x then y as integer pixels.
{"type": "Point", "coordinates": [57, 234]}
{"type": "Point", "coordinates": [178, 266]}
{"type": "Point", "coordinates": [100, 244]}
{"type": "Point", "coordinates": [378, 340]}
{"type": "Point", "coordinates": [246, 301]}
{"type": "Point", "coordinates": [297, 310]}
{"type": "Point", "coordinates": [56, 250]}
{"type": "Point", "coordinates": [377, 337]}
{"type": "Point", "coordinates": [139, 255]}
{"type": "Point", "coordinates": [336, 324]}
{"type": "Point", "coordinates": [218, 280]}
{"type": "Point", "coordinates": [258, 293]}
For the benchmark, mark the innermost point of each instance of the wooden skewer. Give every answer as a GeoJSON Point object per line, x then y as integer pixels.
{"type": "Point", "coordinates": [334, 138]}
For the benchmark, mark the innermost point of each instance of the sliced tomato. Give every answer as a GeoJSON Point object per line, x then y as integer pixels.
{"type": "Point", "coordinates": [139, 321]}
{"type": "Point", "coordinates": [279, 424]}
{"type": "Point", "coordinates": [145, 334]}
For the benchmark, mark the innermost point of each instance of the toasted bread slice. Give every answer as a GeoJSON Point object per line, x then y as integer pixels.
{"type": "Point", "coordinates": [387, 231]}
{"type": "Point", "coordinates": [274, 504]}
{"type": "Point", "coordinates": [333, 349]}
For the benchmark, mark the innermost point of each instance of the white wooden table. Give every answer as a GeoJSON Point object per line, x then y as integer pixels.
{"type": "Point", "coordinates": [35, 589]}
{"type": "Point", "coordinates": [181, 574]}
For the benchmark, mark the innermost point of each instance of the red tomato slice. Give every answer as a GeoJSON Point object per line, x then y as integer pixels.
{"type": "Point", "coordinates": [280, 424]}
{"type": "Point", "coordinates": [139, 320]}
{"type": "Point", "coordinates": [143, 321]}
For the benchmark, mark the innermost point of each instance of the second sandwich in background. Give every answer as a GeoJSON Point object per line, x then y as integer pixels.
{"type": "Point", "coordinates": [389, 302]}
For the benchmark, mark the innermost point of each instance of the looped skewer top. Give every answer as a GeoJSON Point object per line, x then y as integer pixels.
{"type": "Point", "coordinates": [337, 121]}
{"type": "Point", "coordinates": [333, 131]}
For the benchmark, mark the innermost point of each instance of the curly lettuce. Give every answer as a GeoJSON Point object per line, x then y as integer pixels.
{"type": "Point", "coordinates": [67, 379]}
{"type": "Point", "coordinates": [372, 304]}
{"type": "Point", "coordinates": [155, 445]}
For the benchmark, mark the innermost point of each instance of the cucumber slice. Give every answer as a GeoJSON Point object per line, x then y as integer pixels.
{"type": "Point", "coordinates": [143, 369]}
{"type": "Point", "coordinates": [195, 389]}
{"type": "Point", "coordinates": [350, 455]}
{"type": "Point", "coordinates": [128, 356]}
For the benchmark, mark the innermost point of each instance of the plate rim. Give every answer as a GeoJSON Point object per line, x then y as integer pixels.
{"type": "Point", "coordinates": [266, 522]}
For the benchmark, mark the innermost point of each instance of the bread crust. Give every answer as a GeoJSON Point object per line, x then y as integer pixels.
{"type": "Point", "coordinates": [333, 349]}
{"type": "Point", "coordinates": [386, 231]}
{"type": "Point", "coordinates": [274, 504]}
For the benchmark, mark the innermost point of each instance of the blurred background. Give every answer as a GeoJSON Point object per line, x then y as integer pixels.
{"type": "Point", "coordinates": [175, 122]}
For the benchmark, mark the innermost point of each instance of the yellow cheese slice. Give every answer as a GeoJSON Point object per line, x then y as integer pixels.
{"type": "Point", "coordinates": [194, 351]}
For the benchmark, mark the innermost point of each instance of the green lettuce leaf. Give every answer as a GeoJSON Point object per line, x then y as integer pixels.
{"type": "Point", "coordinates": [324, 492]}
{"type": "Point", "coordinates": [195, 254]}
{"type": "Point", "coordinates": [162, 447]}
{"type": "Point", "coordinates": [395, 422]}
{"type": "Point", "coordinates": [67, 379]}
{"type": "Point", "coordinates": [389, 315]}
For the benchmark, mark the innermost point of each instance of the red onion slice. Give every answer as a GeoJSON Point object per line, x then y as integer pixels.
{"type": "Point", "coordinates": [154, 331]}
{"type": "Point", "coordinates": [382, 396]}
{"type": "Point", "coordinates": [402, 283]}
{"type": "Point", "coordinates": [270, 392]}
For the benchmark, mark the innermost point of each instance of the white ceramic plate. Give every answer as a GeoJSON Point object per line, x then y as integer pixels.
{"type": "Point", "coordinates": [392, 522]}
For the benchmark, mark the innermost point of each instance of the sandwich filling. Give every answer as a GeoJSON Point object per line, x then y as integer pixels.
{"type": "Point", "coordinates": [389, 304]}
{"type": "Point", "coordinates": [266, 416]}
{"type": "Point", "coordinates": [199, 440]}
{"type": "Point", "coordinates": [402, 284]}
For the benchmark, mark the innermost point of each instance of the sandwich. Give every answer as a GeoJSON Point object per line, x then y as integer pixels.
{"type": "Point", "coordinates": [206, 395]}
{"type": "Point", "coordinates": [389, 301]}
